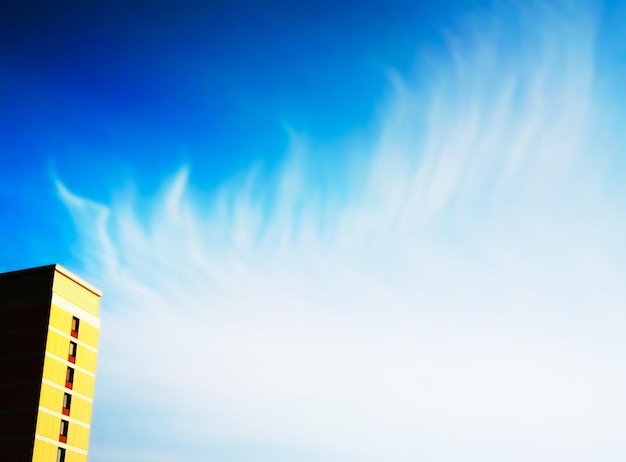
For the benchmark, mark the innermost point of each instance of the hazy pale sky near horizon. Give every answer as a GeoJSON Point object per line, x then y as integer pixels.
{"type": "Point", "coordinates": [331, 231]}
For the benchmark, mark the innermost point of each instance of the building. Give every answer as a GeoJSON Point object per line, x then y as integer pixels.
{"type": "Point", "coordinates": [49, 328]}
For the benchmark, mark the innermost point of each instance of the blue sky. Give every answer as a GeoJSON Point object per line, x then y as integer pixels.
{"type": "Point", "coordinates": [331, 232]}
{"type": "Point", "coordinates": [97, 94]}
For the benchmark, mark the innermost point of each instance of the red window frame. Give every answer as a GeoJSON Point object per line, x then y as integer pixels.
{"type": "Point", "coordinates": [73, 348]}
{"type": "Point", "coordinates": [75, 326]}
{"type": "Point", "coordinates": [69, 378]}
{"type": "Point", "coordinates": [67, 399]}
{"type": "Point", "coordinates": [65, 425]}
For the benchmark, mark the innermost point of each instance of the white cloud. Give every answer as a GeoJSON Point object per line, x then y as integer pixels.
{"type": "Point", "coordinates": [455, 294]}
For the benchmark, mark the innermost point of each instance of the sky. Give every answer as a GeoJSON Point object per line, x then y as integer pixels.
{"type": "Point", "coordinates": [331, 231]}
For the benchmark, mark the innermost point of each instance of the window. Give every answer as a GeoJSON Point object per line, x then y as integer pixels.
{"type": "Point", "coordinates": [61, 455]}
{"type": "Point", "coordinates": [71, 357]}
{"type": "Point", "coordinates": [69, 378]}
{"type": "Point", "coordinates": [67, 403]}
{"type": "Point", "coordinates": [75, 324]}
{"type": "Point", "coordinates": [63, 433]}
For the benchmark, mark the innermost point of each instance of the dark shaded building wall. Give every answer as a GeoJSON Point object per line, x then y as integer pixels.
{"type": "Point", "coordinates": [24, 313]}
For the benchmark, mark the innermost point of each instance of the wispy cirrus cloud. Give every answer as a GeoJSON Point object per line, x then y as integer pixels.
{"type": "Point", "coordinates": [447, 288]}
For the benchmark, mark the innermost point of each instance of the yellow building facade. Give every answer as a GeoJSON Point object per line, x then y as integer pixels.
{"type": "Point", "coordinates": [49, 327]}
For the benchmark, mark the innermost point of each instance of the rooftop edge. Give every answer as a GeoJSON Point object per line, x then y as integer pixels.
{"type": "Point", "coordinates": [58, 268]}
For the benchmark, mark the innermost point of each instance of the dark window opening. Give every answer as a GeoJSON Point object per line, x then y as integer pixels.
{"type": "Point", "coordinates": [67, 403]}
{"type": "Point", "coordinates": [61, 455]}
{"type": "Point", "coordinates": [71, 357]}
{"type": "Point", "coordinates": [69, 378]}
{"type": "Point", "coordinates": [75, 325]}
{"type": "Point", "coordinates": [63, 433]}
